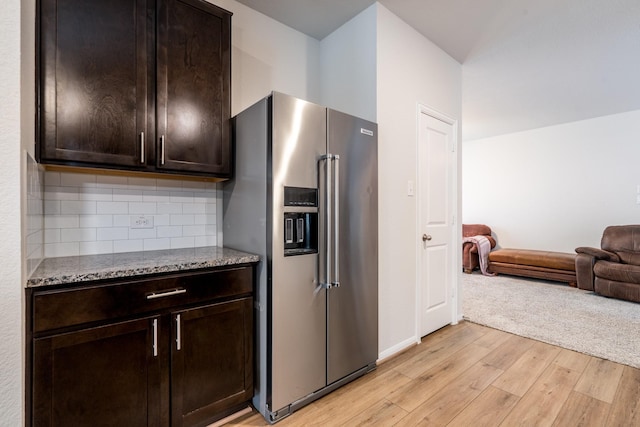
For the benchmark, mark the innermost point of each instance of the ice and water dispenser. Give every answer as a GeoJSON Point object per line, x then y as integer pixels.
{"type": "Point", "coordinates": [300, 221]}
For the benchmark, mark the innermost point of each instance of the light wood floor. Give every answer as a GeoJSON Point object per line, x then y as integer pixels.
{"type": "Point", "coordinates": [470, 375]}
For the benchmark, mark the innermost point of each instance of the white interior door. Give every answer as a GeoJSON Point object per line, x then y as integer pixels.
{"type": "Point", "coordinates": [436, 208]}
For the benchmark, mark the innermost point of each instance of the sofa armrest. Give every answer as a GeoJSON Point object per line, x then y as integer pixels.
{"type": "Point", "coordinates": [584, 271]}
{"type": "Point", "coordinates": [598, 253]}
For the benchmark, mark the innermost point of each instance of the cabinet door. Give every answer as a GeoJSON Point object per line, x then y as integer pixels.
{"type": "Point", "coordinates": [193, 87]}
{"type": "Point", "coordinates": [104, 376]}
{"type": "Point", "coordinates": [211, 364]}
{"type": "Point", "coordinates": [94, 82]}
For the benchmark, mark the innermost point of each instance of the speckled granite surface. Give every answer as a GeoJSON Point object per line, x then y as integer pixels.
{"type": "Point", "coordinates": [76, 269]}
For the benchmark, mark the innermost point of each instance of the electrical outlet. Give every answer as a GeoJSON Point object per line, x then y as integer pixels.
{"type": "Point", "coordinates": [141, 221]}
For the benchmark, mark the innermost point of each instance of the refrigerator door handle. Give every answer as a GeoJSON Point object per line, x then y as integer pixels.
{"type": "Point", "coordinates": [336, 224]}
{"type": "Point", "coordinates": [327, 220]}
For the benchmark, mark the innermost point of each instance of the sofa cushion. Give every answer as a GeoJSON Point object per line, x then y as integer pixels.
{"type": "Point", "coordinates": [547, 259]}
{"type": "Point", "coordinates": [617, 272]}
{"type": "Point", "coordinates": [610, 288]}
{"type": "Point", "coordinates": [624, 240]}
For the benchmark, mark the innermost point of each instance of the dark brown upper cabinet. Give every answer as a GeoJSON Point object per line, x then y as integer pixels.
{"type": "Point", "coordinates": [140, 85]}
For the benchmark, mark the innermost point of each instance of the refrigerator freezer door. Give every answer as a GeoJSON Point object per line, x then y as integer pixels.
{"type": "Point", "coordinates": [298, 302]}
{"type": "Point", "coordinates": [352, 334]}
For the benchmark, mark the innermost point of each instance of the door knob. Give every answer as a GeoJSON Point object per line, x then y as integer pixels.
{"type": "Point", "coordinates": [426, 237]}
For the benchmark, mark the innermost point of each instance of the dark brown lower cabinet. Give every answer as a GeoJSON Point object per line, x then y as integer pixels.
{"type": "Point", "coordinates": [103, 376]}
{"type": "Point", "coordinates": [203, 352]}
{"type": "Point", "coordinates": [183, 356]}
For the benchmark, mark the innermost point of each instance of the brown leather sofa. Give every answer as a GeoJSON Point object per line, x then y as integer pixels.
{"type": "Point", "coordinates": [613, 270]}
{"type": "Point", "coordinates": [470, 259]}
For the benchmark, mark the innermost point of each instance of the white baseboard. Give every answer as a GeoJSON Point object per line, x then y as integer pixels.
{"type": "Point", "coordinates": [397, 349]}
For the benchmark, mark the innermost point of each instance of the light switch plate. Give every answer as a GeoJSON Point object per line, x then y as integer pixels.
{"type": "Point", "coordinates": [410, 188]}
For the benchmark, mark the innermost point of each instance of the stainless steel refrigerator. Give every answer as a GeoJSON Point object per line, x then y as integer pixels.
{"type": "Point", "coordinates": [305, 198]}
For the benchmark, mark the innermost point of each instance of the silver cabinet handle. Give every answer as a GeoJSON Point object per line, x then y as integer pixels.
{"type": "Point", "coordinates": [426, 237]}
{"type": "Point", "coordinates": [142, 153]}
{"type": "Point", "coordinates": [162, 138]}
{"type": "Point", "coordinates": [336, 224]}
{"type": "Point", "coordinates": [170, 293]}
{"type": "Point", "coordinates": [178, 333]}
{"type": "Point", "coordinates": [155, 337]}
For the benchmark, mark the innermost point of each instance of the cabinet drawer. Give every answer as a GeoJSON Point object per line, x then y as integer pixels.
{"type": "Point", "coordinates": [63, 308]}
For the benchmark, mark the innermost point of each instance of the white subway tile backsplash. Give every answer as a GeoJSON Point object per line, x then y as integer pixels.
{"type": "Point", "coordinates": [52, 235]}
{"type": "Point", "coordinates": [54, 250]}
{"type": "Point", "coordinates": [82, 180]}
{"type": "Point", "coordinates": [182, 242]}
{"type": "Point", "coordinates": [112, 181]}
{"type": "Point", "coordinates": [142, 233]}
{"type": "Point", "coordinates": [181, 197]}
{"type": "Point", "coordinates": [61, 193]}
{"type": "Point", "coordinates": [194, 208]}
{"type": "Point", "coordinates": [170, 231]}
{"type": "Point", "coordinates": [193, 185]}
{"type": "Point", "coordinates": [142, 183]}
{"type": "Point", "coordinates": [34, 232]}
{"type": "Point", "coordinates": [121, 220]}
{"type": "Point", "coordinates": [97, 247]}
{"type": "Point", "coordinates": [193, 230]}
{"type": "Point", "coordinates": [103, 194]}
{"type": "Point", "coordinates": [142, 208]}
{"type": "Point", "coordinates": [182, 219]}
{"type": "Point", "coordinates": [162, 196]}
{"type": "Point", "coordinates": [91, 214]}
{"type": "Point", "coordinates": [113, 207]}
{"type": "Point", "coordinates": [78, 234]}
{"type": "Point", "coordinates": [208, 219]}
{"type": "Point", "coordinates": [51, 207]}
{"type": "Point", "coordinates": [156, 244]}
{"type": "Point", "coordinates": [96, 221]}
{"type": "Point", "coordinates": [120, 246]}
{"type": "Point", "coordinates": [113, 233]}
{"type": "Point", "coordinates": [52, 178]}
{"type": "Point", "coordinates": [205, 241]}
{"type": "Point", "coordinates": [169, 208]}
{"type": "Point", "coordinates": [79, 207]}
{"type": "Point", "coordinates": [124, 195]}
{"type": "Point", "coordinates": [160, 220]}
{"type": "Point", "coordinates": [61, 221]}
{"type": "Point", "coordinates": [168, 184]}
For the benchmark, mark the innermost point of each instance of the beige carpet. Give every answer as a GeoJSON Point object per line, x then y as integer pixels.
{"type": "Point", "coordinates": [555, 313]}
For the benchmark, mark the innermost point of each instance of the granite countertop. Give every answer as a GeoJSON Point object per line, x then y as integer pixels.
{"type": "Point", "coordinates": [77, 269]}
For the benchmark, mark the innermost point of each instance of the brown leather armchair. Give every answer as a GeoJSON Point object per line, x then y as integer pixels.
{"type": "Point", "coordinates": [613, 270]}
{"type": "Point", "coordinates": [470, 259]}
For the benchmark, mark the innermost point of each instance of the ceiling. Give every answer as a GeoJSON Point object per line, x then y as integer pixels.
{"type": "Point", "coordinates": [525, 63]}
{"type": "Point", "coordinates": [453, 25]}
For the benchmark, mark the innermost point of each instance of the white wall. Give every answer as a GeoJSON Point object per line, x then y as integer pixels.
{"type": "Point", "coordinates": [11, 176]}
{"type": "Point", "coordinates": [555, 188]}
{"type": "Point", "coordinates": [268, 55]}
{"type": "Point", "coordinates": [348, 58]}
{"type": "Point", "coordinates": [410, 70]}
